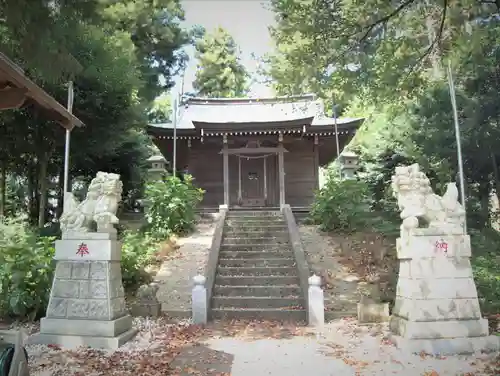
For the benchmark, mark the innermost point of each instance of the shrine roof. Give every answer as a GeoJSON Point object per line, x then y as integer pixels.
{"type": "Point", "coordinates": [278, 112]}
{"type": "Point", "coordinates": [16, 89]}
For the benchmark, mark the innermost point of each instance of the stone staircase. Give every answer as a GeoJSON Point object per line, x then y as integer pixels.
{"type": "Point", "coordinates": [256, 275]}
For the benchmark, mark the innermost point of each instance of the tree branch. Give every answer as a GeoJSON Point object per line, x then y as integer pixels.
{"type": "Point", "coordinates": [435, 41]}
{"type": "Point", "coordinates": [384, 20]}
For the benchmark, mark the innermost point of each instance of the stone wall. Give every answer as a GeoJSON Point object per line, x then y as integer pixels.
{"type": "Point", "coordinates": [87, 289]}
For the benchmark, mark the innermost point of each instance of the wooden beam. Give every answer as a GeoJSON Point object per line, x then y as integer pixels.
{"type": "Point", "coordinates": [14, 75]}
{"type": "Point", "coordinates": [11, 98]}
{"type": "Point", "coordinates": [316, 161]}
{"type": "Point", "coordinates": [281, 172]}
{"type": "Point", "coordinates": [226, 174]}
{"type": "Point", "coordinates": [255, 150]}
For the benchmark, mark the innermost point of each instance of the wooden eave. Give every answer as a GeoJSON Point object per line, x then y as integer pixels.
{"type": "Point", "coordinates": [162, 131]}
{"type": "Point", "coordinates": [17, 90]}
{"type": "Point", "coordinates": [318, 129]}
{"type": "Point", "coordinates": [254, 126]}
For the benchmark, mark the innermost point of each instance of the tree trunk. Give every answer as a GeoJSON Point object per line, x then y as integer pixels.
{"type": "Point", "coordinates": [32, 193]}
{"type": "Point", "coordinates": [3, 193]}
{"type": "Point", "coordinates": [42, 186]}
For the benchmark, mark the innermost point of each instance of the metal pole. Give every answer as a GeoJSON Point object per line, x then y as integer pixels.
{"type": "Point", "coordinates": [337, 137]}
{"type": "Point", "coordinates": [457, 135]}
{"type": "Point", "coordinates": [174, 167]}
{"type": "Point", "coordinates": [68, 133]}
{"type": "Point", "coordinates": [336, 130]}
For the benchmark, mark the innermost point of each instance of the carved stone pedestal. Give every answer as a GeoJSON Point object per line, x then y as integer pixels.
{"type": "Point", "coordinates": [87, 302]}
{"type": "Point", "coordinates": [437, 309]}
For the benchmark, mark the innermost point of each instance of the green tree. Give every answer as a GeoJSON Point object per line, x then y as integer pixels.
{"type": "Point", "coordinates": [121, 53]}
{"type": "Point", "coordinates": [161, 110]}
{"type": "Point", "coordinates": [220, 72]}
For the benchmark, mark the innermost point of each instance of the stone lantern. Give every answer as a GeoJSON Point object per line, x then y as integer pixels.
{"type": "Point", "coordinates": [158, 166]}
{"type": "Point", "coordinates": [348, 164]}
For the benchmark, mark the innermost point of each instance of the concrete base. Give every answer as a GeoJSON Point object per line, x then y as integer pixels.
{"type": "Point", "coordinates": [106, 328]}
{"type": "Point", "coordinates": [373, 312]}
{"type": "Point", "coordinates": [106, 334]}
{"type": "Point", "coordinates": [74, 341]}
{"type": "Point", "coordinates": [145, 310]}
{"type": "Point", "coordinates": [447, 346]}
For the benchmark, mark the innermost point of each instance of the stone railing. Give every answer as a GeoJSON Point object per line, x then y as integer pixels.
{"type": "Point", "coordinates": [213, 257]}
{"type": "Point", "coordinates": [299, 254]}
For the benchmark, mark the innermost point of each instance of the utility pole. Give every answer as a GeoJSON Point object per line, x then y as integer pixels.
{"type": "Point", "coordinates": [71, 95]}
{"type": "Point", "coordinates": [174, 166]}
{"type": "Point", "coordinates": [459, 141]}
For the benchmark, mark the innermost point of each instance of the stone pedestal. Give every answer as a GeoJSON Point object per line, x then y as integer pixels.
{"type": "Point", "coordinates": [437, 309]}
{"type": "Point", "coordinates": [87, 301]}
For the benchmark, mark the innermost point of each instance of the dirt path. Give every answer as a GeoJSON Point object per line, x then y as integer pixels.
{"type": "Point", "coordinates": [341, 287]}
{"type": "Point", "coordinates": [175, 277]}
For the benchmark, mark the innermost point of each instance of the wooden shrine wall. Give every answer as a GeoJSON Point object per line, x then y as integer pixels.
{"type": "Point", "coordinates": [205, 164]}
{"type": "Point", "coordinates": [301, 173]}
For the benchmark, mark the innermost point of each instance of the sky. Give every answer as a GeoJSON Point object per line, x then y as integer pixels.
{"type": "Point", "coordinates": [246, 20]}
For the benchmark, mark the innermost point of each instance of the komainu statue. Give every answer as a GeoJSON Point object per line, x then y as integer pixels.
{"type": "Point", "coordinates": [416, 200]}
{"type": "Point", "coordinates": [100, 206]}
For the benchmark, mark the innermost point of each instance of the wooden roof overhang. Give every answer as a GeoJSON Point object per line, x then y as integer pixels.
{"type": "Point", "coordinates": [17, 90]}
{"type": "Point", "coordinates": [300, 126]}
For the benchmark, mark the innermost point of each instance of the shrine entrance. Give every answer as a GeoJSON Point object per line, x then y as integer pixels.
{"type": "Point", "coordinates": [254, 181]}
{"type": "Point", "coordinates": [260, 177]}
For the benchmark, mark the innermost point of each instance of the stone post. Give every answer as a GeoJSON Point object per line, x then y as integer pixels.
{"type": "Point", "coordinates": [199, 300]}
{"type": "Point", "coordinates": [436, 310]}
{"type": "Point", "coordinates": [316, 302]}
{"type": "Point", "coordinates": [87, 300]}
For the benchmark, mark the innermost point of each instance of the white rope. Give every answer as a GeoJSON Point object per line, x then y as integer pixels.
{"type": "Point", "coordinates": [254, 156]}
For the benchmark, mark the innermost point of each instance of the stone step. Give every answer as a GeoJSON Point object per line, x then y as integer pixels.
{"type": "Point", "coordinates": [256, 271]}
{"type": "Point", "coordinates": [256, 291]}
{"type": "Point", "coordinates": [256, 302]}
{"type": "Point", "coordinates": [269, 219]}
{"type": "Point", "coordinates": [246, 227]}
{"type": "Point", "coordinates": [255, 247]}
{"type": "Point", "coordinates": [257, 233]}
{"type": "Point", "coordinates": [254, 241]}
{"type": "Point", "coordinates": [258, 253]}
{"type": "Point", "coordinates": [257, 262]}
{"type": "Point", "coordinates": [254, 213]}
{"type": "Point", "coordinates": [256, 280]}
{"type": "Point", "coordinates": [259, 314]}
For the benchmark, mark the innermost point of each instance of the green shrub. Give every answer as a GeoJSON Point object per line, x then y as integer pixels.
{"type": "Point", "coordinates": [138, 251]}
{"type": "Point", "coordinates": [171, 205]}
{"type": "Point", "coordinates": [26, 269]}
{"type": "Point", "coordinates": [342, 205]}
{"type": "Point", "coordinates": [486, 268]}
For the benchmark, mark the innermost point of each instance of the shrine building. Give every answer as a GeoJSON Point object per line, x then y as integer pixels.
{"type": "Point", "coordinates": [249, 152]}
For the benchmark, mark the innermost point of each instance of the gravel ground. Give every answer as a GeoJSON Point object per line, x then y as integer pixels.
{"type": "Point", "coordinates": [175, 277]}
{"type": "Point", "coordinates": [341, 288]}
{"type": "Point", "coordinates": [241, 348]}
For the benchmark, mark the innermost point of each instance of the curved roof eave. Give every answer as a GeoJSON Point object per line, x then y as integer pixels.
{"type": "Point", "coordinates": [344, 122]}
{"type": "Point", "coordinates": [282, 123]}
